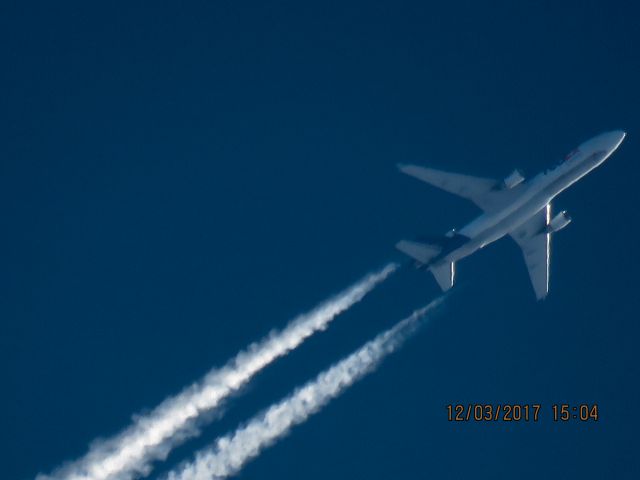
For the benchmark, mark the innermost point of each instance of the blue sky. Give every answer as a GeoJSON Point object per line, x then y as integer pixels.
{"type": "Point", "coordinates": [177, 180]}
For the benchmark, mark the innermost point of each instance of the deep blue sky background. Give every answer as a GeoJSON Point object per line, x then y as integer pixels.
{"type": "Point", "coordinates": [177, 178]}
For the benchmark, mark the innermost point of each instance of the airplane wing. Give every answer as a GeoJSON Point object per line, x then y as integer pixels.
{"type": "Point", "coordinates": [484, 192]}
{"type": "Point", "coordinates": [535, 243]}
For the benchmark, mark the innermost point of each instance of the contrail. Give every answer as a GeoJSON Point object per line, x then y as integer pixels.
{"type": "Point", "coordinates": [150, 437]}
{"type": "Point", "coordinates": [230, 453]}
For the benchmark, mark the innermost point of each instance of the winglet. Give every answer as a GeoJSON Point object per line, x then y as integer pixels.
{"type": "Point", "coordinates": [445, 274]}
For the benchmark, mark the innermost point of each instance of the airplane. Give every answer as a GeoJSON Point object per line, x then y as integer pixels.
{"type": "Point", "coordinates": [514, 206]}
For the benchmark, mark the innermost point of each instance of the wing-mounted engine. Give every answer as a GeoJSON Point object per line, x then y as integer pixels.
{"type": "Point", "coordinates": [514, 179]}
{"type": "Point", "coordinates": [560, 221]}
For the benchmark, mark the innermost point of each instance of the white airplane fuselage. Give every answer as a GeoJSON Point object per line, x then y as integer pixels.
{"type": "Point", "coordinates": [532, 196]}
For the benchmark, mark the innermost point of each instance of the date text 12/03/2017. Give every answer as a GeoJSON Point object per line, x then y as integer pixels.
{"type": "Point", "coordinates": [489, 412]}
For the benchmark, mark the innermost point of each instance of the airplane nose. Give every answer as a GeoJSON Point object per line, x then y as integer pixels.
{"type": "Point", "coordinates": [617, 136]}
{"type": "Point", "coordinates": [607, 141]}
{"type": "Point", "coordinates": [613, 139]}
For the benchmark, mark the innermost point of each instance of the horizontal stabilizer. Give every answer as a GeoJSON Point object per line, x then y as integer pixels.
{"type": "Point", "coordinates": [445, 274]}
{"type": "Point", "coordinates": [422, 252]}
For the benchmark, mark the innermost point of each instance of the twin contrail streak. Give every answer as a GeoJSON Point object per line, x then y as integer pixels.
{"type": "Point", "coordinates": [230, 453]}
{"type": "Point", "coordinates": [131, 452]}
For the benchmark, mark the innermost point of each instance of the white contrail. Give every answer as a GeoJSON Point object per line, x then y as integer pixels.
{"type": "Point", "coordinates": [230, 453]}
{"type": "Point", "coordinates": [131, 452]}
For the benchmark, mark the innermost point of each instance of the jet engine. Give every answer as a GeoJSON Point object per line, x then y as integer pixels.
{"type": "Point", "coordinates": [514, 179]}
{"type": "Point", "coordinates": [560, 221]}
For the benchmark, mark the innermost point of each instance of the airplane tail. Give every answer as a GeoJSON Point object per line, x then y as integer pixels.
{"type": "Point", "coordinates": [424, 253]}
